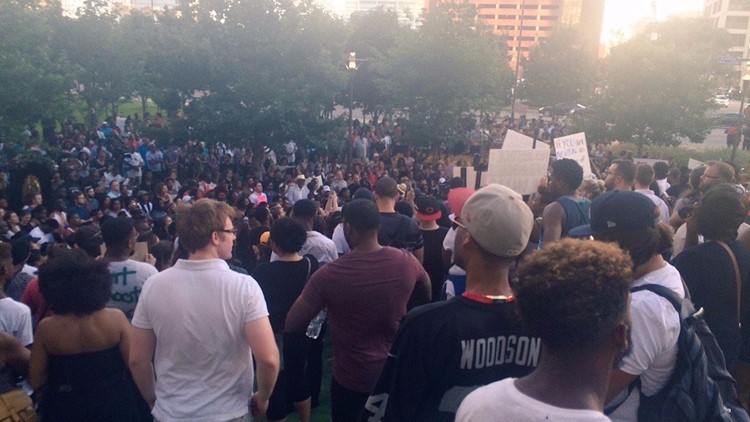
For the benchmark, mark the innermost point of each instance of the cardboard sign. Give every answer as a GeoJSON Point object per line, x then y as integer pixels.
{"type": "Point", "coordinates": [516, 141]}
{"type": "Point", "coordinates": [519, 170]}
{"type": "Point", "coordinates": [574, 147]}
{"type": "Point", "coordinates": [693, 164]}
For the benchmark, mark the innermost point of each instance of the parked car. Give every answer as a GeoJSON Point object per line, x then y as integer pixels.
{"type": "Point", "coordinates": [721, 100]}
{"type": "Point", "coordinates": [562, 109]}
{"type": "Point", "coordinates": [727, 119]}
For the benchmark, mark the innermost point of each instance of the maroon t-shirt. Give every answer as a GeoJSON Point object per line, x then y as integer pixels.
{"type": "Point", "coordinates": [366, 295]}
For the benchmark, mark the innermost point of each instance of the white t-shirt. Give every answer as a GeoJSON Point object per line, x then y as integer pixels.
{"type": "Point", "coordinates": [654, 330]}
{"type": "Point", "coordinates": [317, 245]}
{"type": "Point", "coordinates": [342, 246]}
{"type": "Point", "coordinates": [198, 310]}
{"type": "Point", "coordinates": [42, 236]}
{"type": "Point", "coordinates": [501, 401]}
{"type": "Point", "coordinates": [128, 279]}
{"type": "Point", "coordinates": [15, 319]}
{"type": "Point", "coordinates": [449, 244]}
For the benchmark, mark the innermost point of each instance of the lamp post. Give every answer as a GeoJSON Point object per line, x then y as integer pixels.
{"type": "Point", "coordinates": [351, 66]}
{"type": "Point", "coordinates": [518, 62]}
{"type": "Point", "coordinates": [740, 116]}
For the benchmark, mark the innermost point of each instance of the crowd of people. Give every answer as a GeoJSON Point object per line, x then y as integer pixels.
{"type": "Point", "coordinates": [143, 286]}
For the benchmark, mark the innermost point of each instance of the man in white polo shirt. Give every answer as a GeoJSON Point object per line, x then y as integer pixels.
{"type": "Point", "coordinates": [199, 321]}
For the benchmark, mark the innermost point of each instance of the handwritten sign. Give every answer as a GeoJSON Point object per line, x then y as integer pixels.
{"type": "Point", "coordinates": [519, 170]}
{"type": "Point", "coordinates": [574, 147]}
{"type": "Point", "coordinates": [516, 141]}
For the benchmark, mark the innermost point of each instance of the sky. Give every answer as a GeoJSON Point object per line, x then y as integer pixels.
{"type": "Point", "coordinates": [621, 15]}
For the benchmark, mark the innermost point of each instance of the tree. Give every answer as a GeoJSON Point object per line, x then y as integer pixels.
{"type": "Point", "coordinates": [34, 76]}
{"type": "Point", "coordinates": [372, 36]}
{"type": "Point", "coordinates": [658, 84]}
{"type": "Point", "coordinates": [445, 70]}
{"type": "Point", "coordinates": [559, 70]}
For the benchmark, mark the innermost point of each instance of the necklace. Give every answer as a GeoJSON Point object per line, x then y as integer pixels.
{"type": "Point", "coordinates": [487, 298]}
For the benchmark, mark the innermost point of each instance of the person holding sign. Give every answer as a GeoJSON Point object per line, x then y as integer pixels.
{"type": "Point", "coordinates": [569, 210]}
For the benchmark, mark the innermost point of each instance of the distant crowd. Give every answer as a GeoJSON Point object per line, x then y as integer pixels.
{"type": "Point", "coordinates": [141, 288]}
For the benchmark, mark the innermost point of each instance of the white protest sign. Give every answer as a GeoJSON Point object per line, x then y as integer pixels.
{"type": "Point", "coordinates": [574, 147]}
{"type": "Point", "coordinates": [472, 178]}
{"type": "Point", "coordinates": [649, 161]}
{"type": "Point", "coordinates": [693, 164]}
{"type": "Point", "coordinates": [515, 141]}
{"type": "Point", "coordinates": [519, 170]}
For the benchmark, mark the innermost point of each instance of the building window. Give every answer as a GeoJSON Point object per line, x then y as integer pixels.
{"type": "Point", "coordinates": [486, 6]}
{"type": "Point", "coordinates": [506, 27]}
{"type": "Point", "coordinates": [545, 28]}
{"type": "Point", "coordinates": [487, 16]}
{"type": "Point", "coordinates": [527, 39]}
{"type": "Point", "coordinates": [506, 16]}
{"type": "Point", "coordinates": [736, 22]}
{"type": "Point", "coordinates": [548, 18]}
{"type": "Point", "coordinates": [528, 28]}
{"type": "Point", "coordinates": [550, 7]}
{"type": "Point", "coordinates": [738, 40]}
{"type": "Point", "coordinates": [739, 5]}
{"type": "Point", "coordinates": [506, 6]}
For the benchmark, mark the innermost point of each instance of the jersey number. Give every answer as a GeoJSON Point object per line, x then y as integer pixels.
{"type": "Point", "coordinates": [377, 411]}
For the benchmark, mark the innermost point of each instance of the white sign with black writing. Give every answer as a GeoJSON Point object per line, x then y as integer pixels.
{"type": "Point", "coordinates": [574, 147]}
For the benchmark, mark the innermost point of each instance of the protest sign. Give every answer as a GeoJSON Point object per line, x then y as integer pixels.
{"type": "Point", "coordinates": [514, 141]}
{"type": "Point", "coordinates": [473, 179]}
{"type": "Point", "coordinates": [574, 147]}
{"type": "Point", "coordinates": [519, 170]}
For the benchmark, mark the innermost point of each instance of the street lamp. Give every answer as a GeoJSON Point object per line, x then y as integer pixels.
{"type": "Point", "coordinates": [351, 66]}
{"type": "Point", "coordinates": [518, 61]}
{"type": "Point", "coordinates": [740, 116]}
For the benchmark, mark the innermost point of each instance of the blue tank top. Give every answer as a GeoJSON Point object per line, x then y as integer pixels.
{"type": "Point", "coordinates": [577, 212]}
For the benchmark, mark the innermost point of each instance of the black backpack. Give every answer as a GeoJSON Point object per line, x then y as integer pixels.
{"type": "Point", "coordinates": [701, 388]}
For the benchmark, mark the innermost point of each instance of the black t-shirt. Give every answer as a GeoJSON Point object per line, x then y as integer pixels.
{"type": "Point", "coordinates": [709, 274]}
{"type": "Point", "coordinates": [445, 350]}
{"type": "Point", "coordinates": [282, 282]}
{"type": "Point", "coordinates": [433, 259]}
{"type": "Point", "coordinates": [399, 231]}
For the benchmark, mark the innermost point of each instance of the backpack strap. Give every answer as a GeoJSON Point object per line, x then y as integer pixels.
{"type": "Point", "coordinates": [737, 277]}
{"type": "Point", "coordinates": [678, 303]}
{"type": "Point", "coordinates": [683, 306]}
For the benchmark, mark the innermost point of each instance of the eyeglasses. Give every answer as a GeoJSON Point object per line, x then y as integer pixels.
{"type": "Point", "coordinates": [232, 230]}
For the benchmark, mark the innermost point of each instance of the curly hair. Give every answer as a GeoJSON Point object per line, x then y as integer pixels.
{"type": "Point", "coordinates": [288, 235]}
{"type": "Point", "coordinates": [719, 213]}
{"type": "Point", "coordinates": [574, 291]}
{"type": "Point", "coordinates": [568, 171]}
{"type": "Point", "coordinates": [72, 282]}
